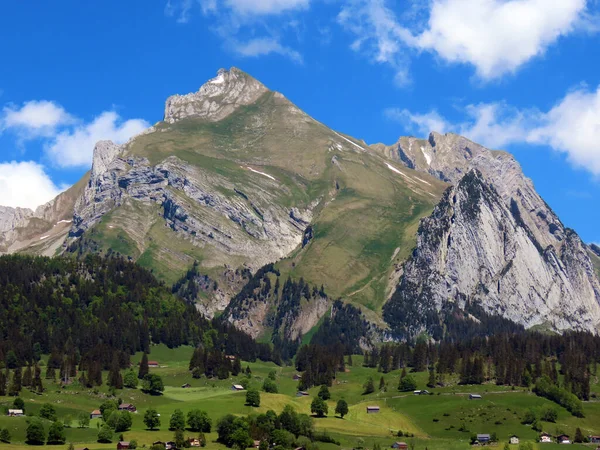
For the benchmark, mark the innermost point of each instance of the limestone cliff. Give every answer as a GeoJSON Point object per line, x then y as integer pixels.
{"type": "Point", "coordinates": [477, 249]}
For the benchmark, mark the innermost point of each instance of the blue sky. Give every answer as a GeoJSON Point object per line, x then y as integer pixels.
{"type": "Point", "coordinates": [519, 75]}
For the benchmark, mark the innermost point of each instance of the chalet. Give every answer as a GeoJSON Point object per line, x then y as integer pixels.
{"type": "Point", "coordinates": [186, 385]}
{"type": "Point", "coordinates": [95, 414]}
{"type": "Point", "coordinates": [594, 439]}
{"type": "Point", "coordinates": [372, 409]}
{"type": "Point", "coordinates": [483, 438]}
{"type": "Point", "coordinates": [194, 442]}
{"type": "Point", "coordinates": [417, 392]}
{"type": "Point", "coordinates": [474, 397]}
{"type": "Point", "coordinates": [256, 444]}
{"type": "Point", "coordinates": [400, 445]}
{"type": "Point", "coordinates": [127, 407]}
{"type": "Point", "coordinates": [122, 445]}
{"type": "Point", "coordinates": [16, 412]}
{"type": "Point", "coordinates": [153, 364]}
{"type": "Point", "coordinates": [545, 438]}
{"type": "Point", "coordinates": [171, 445]}
{"type": "Point", "coordinates": [297, 377]}
{"type": "Point", "coordinates": [230, 357]}
{"type": "Point", "coordinates": [84, 448]}
{"type": "Point", "coordinates": [237, 387]}
{"type": "Point", "coordinates": [563, 439]}
{"type": "Point", "coordinates": [302, 394]}
{"type": "Point", "coordinates": [514, 440]}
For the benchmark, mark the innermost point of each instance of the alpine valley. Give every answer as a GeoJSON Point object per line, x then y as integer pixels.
{"type": "Point", "coordinates": [265, 217]}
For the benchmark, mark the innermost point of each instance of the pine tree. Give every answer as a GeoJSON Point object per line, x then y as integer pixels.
{"type": "Point", "coordinates": [431, 382]}
{"type": "Point", "coordinates": [143, 366]}
{"type": "Point", "coordinates": [3, 382]}
{"type": "Point", "coordinates": [27, 376]}
{"type": "Point", "coordinates": [37, 380]}
{"type": "Point", "coordinates": [381, 384]}
{"type": "Point", "coordinates": [15, 385]}
{"type": "Point", "coordinates": [115, 379]}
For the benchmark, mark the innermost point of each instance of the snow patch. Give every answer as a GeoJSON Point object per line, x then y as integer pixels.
{"type": "Point", "coordinates": [220, 79]}
{"type": "Point", "coordinates": [423, 181]}
{"type": "Point", "coordinates": [63, 221]}
{"type": "Point", "coordinates": [261, 173]}
{"type": "Point", "coordinates": [427, 157]}
{"type": "Point", "coordinates": [44, 237]}
{"type": "Point", "coordinates": [348, 140]}
{"type": "Point", "coordinates": [393, 169]}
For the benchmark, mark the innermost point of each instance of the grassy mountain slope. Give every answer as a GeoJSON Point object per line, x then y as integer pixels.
{"type": "Point", "coordinates": [269, 155]}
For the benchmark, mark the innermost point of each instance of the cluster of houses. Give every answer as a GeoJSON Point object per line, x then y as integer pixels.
{"type": "Point", "coordinates": [192, 442]}
{"type": "Point", "coordinates": [96, 414]}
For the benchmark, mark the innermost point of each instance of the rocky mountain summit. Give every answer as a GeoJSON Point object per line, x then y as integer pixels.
{"type": "Point", "coordinates": [216, 99]}
{"type": "Point", "coordinates": [238, 192]}
{"type": "Point", "coordinates": [475, 248]}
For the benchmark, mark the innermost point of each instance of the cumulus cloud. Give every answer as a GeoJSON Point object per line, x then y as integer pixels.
{"type": "Point", "coordinates": [571, 127]}
{"type": "Point", "coordinates": [25, 184]}
{"type": "Point", "coordinates": [495, 36]}
{"type": "Point", "coordinates": [74, 147]}
{"type": "Point", "coordinates": [265, 46]}
{"type": "Point", "coordinates": [34, 118]}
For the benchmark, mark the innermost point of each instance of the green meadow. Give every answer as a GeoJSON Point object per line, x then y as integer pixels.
{"type": "Point", "coordinates": [433, 421]}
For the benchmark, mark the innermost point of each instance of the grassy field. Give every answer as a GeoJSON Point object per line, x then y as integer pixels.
{"type": "Point", "coordinates": [434, 420]}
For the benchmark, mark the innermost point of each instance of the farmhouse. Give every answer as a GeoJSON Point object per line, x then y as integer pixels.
{"type": "Point", "coordinates": [122, 445]}
{"type": "Point", "coordinates": [256, 444]}
{"type": "Point", "coordinates": [545, 438]}
{"type": "Point", "coordinates": [372, 409]}
{"type": "Point", "coordinates": [95, 414]}
{"type": "Point", "coordinates": [84, 448]}
{"type": "Point", "coordinates": [301, 394]}
{"type": "Point", "coordinates": [474, 397]}
{"type": "Point", "coordinates": [15, 412]}
{"type": "Point", "coordinates": [297, 377]}
{"type": "Point", "coordinates": [594, 439]}
{"type": "Point", "coordinates": [237, 387]}
{"type": "Point", "coordinates": [194, 442]}
{"type": "Point", "coordinates": [483, 438]}
{"type": "Point", "coordinates": [400, 445]}
{"type": "Point", "coordinates": [127, 407]}
{"type": "Point", "coordinates": [514, 440]}
{"type": "Point", "coordinates": [153, 364]}
{"type": "Point", "coordinates": [563, 439]}
{"type": "Point", "coordinates": [186, 385]}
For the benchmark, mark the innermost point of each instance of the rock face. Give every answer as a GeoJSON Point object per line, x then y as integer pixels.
{"type": "Point", "coordinates": [41, 231]}
{"type": "Point", "coordinates": [476, 248]}
{"type": "Point", "coordinates": [216, 99]}
{"type": "Point", "coordinates": [449, 157]}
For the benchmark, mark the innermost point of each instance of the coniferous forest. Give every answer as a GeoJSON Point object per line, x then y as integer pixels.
{"type": "Point", "coordinates": [91, 308]}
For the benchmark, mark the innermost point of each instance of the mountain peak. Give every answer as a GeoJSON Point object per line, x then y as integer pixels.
{"type": "Point", "coordinates": [217, 98]}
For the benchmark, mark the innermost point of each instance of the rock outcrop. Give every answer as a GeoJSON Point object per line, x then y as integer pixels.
{"type": "Point", "coordinates": [216, 99]}
{"type": "Point", "coordinates": [477, 249]}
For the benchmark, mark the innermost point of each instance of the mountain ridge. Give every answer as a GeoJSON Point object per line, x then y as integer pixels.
{"type": "Point", "coordinates": [237, 177]}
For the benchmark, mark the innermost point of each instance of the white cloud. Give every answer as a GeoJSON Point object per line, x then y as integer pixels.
{"type": "Point", "coordinates": [495, 36]}
{"type": "Point", "coordinates": [265, 46]}
{"type": "Point", "coordinates": [25, 184]}
{"type": "Point", "coordinates": [34, 118]}
{"type": "Point", "coordinates": [248, 28]}
{"type": "Point", "coordinates": [74, 147]}
{"type": "Point", "coordinates": [571, 127]}
{"type": "Point", "coordinates": [378, 34]}
{"type": "Point", "coordinates": [420, 123]}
